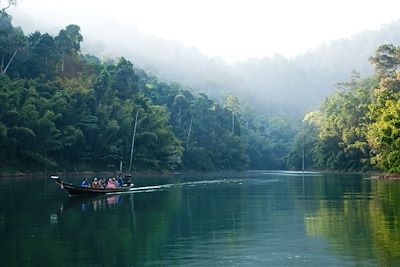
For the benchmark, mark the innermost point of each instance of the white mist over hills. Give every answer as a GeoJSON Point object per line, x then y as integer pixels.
{"type": "Point", "coordinates": [273, 83]}
{"type": "Point", "coordinates": [232, 29]}
{"type": "Point", "coordinates": [297, 85]}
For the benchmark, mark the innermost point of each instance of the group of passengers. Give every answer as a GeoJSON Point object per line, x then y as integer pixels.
{"type": "Point", "coordinates": [101, 183]}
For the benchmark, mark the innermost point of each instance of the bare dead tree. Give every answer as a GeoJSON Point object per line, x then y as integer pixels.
{"type": "Point", "coordinates": [2, 15]}
{"type": "Point", "coordinates": [8, 5]}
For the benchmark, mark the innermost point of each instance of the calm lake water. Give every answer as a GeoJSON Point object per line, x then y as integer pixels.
{"type": "Point", "coordinates": [219, 219]}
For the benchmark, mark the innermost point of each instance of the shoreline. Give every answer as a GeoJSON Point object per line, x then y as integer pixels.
{"type": "Point", "coordinates": [390, 177]}
{"type": "Point", "coordinates": [375, 174]}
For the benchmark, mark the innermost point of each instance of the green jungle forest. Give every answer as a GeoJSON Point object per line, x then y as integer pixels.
{"type": "Point", "coordinates": [61, 109]}
{"type": "Point", "coordinates": [357, 129]}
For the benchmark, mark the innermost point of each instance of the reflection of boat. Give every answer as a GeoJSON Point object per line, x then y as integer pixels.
{"type": "Point", "coordinates": [77, 190]}
{"type": "Point", "coordinates": [87, 203]}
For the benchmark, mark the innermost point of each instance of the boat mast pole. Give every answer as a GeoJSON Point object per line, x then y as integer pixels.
{"type": "Point", "coordinates": [133, 140]}
{"type": "Point", "coordinates": [303, 154]}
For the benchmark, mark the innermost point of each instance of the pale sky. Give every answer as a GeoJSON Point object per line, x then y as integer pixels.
{"type": "Point", "coordinates": [232, 29]}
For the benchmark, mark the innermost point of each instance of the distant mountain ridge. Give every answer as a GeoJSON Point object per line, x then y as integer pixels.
{"type": "Point", "coordinates": [273, 83]}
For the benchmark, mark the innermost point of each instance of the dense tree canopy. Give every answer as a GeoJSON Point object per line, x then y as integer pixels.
{"type": "Point", "coordinates": [61, 109]}
{"type": "Point", "coordinates": [359, 127]}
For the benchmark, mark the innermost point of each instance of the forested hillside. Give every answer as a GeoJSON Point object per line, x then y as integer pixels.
{"type": "Point", "coordinates": [272, 84]}
{"type": "Point", "coordinates": [357, 128]}
{"type": "Point", "coordinates": [65, 110]}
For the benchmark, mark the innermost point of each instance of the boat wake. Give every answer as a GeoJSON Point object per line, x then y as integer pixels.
{"type": "Point", "coordinates": [152, 188]}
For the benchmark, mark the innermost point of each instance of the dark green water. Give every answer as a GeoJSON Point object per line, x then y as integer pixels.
{"type": "Point", "coordinates": [246, 219]}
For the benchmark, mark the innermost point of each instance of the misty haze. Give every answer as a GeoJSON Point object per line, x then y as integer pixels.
{"type": "Point", "coordinates": [199, 133]}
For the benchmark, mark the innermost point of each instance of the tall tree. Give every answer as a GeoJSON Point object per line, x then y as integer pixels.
{"type": "Point", "coordinates": [233, 105]}
{"type": "Point", "coordinates": [68, 42]}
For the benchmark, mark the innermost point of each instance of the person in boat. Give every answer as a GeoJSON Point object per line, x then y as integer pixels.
{"type": "Point", "coordinates": [85, 183]}
{"type": "Point", "coordinates": [102, 183]}
{"type": "Point", "coordinates": [110, 183]}
{"type": "Point", "coordinates": [115, 182]}
{"type": "Point", "coordinates": [96, 183]}
{"type": "Point", "coordinates": [120, 181]}
{"type": "Point", "coordinates": [127, 179]}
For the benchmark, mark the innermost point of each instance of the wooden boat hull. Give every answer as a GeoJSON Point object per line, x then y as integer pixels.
{"type": "Point", "coordinates": [73, 190]}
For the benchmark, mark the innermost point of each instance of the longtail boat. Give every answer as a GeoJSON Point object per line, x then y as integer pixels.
{"type": "Point", "coordinates": [73, 190]}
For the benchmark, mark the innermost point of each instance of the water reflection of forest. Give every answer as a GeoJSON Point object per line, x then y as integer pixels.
{"type": "Point", "coordinates": [363, 223]}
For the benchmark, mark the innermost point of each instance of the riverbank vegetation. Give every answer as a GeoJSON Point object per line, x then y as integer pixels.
{"type": "Point", "coordinates": [358, 128]}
